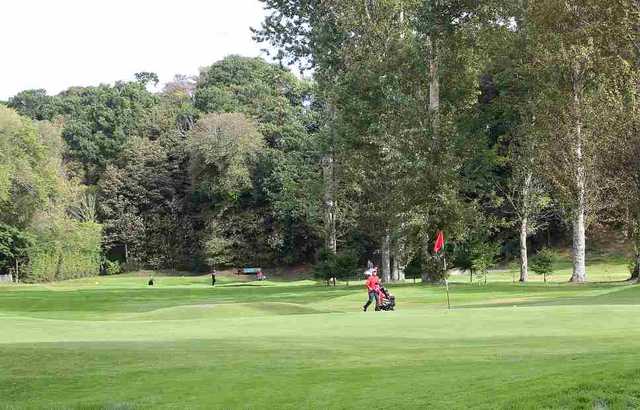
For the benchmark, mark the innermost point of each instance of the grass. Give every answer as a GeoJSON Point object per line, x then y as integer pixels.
{"type": "Point", "coordinates": [114, 343]}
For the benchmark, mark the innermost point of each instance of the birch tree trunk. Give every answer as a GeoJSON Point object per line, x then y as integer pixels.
{"type": "Point", "coordinates": [329, 203]}
{"type": "Point", "coordinates": [399, 261]}
{"type": "Point", "coordinates": [386, 257]}
{"type": "Point", "coordinates": [395, 268]}
{"type": "Point", "coordinates": [579, 241]}
{"type": "Point", "coordinates": [524, 226]}
{"type": "Point", "coordinates": [524, 263]}
{"type": "Point", "coordinates": [579, 245]}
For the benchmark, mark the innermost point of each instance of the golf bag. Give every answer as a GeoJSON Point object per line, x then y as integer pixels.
{"type": "Point", "coordinates": [386, 300]}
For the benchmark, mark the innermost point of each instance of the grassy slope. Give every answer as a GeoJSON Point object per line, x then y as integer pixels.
{"type": "Point", "coordinates": [120, 344]}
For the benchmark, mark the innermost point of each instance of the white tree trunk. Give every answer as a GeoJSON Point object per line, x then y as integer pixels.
{"type": "Point", "coordinates": [329, 203]}
{"type": "Point", "coordinates": [395, 267]}
{"type": "Point", "coordinates": [524, 226]}
{"type": "Point", "coordinates": [386, 257]}
{"type": "Point", "coordinates": [579, 241]}
{"type": "Point", "coordinates": [399, 261]}
{"type": "Point", "coordinates": [524, 263]}
{"type": "Point", "coordinates": [579, 246]}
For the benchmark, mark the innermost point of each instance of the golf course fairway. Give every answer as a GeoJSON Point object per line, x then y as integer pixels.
{"type": "Point", "coordinates": [115, 343]}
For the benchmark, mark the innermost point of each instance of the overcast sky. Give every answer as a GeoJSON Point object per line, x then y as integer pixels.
{"type": "Point", "coordinates": [55, 44]}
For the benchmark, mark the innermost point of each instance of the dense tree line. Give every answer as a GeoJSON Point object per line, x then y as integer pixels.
{"type": "Point", "coordinates": [486, 119]}
{"type": "Point", "coordinates": [493, 121]}
{"type": "Point", "coordinates": [222, 168]}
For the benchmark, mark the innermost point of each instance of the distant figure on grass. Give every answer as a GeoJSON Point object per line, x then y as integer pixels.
{"type": "Point", "coordinates": [213, 277]}
{"type": "Point", "coordinates": [151, 282]}
{"type": "Point", "coordinates": [373, 285]}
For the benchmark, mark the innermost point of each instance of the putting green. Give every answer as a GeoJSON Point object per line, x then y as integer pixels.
{"type": "Point", "coordinates": [120, 344]}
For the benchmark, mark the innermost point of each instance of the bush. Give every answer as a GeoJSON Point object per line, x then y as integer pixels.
{"type": "Point", "coordinates": [65, 249]}
{"type": "Point", "coordinates": [413, 270]}
{"type": "Point", "coordinates": [475, 256]}
{"type": "Point", "coordinates": [111, 267]}
{"type": "Point", "coordinates": [434, 266]}
{"type": "Point", "coordinates": [342, 265]}
{"type": "Point", "coordinates": [484, 257]}
{"type": "Point", "coordinates": [542, 263]}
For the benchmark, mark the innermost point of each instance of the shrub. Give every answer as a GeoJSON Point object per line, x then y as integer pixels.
{"type": "Point", "coordinates": [111, 267]}
{"type": "Point", "coordinates": [342, 265]}
{"type": "Point", "coordinates": [484, 257]}
{"type": "Point", "coordinates": [413, 270]}
{"type": "Point", "coordinates": [434, 267]}
{"type": "Point", "coordinates": [542, 263]}
{"type": "Point", "coordinates": [65, 249]}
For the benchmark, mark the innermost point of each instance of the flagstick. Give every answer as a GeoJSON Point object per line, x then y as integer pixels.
{"type": "Point", "coordinates": [446, 281]}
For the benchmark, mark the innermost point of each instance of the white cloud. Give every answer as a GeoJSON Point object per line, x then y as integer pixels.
{"type": "Point", "coordinates": [55, 44]}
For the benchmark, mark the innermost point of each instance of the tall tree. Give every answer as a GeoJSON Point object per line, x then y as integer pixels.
{"type": "Point", "coordinates": [287, 174]}
{"type": "Point", "coordinates": [224, 150]}
{"type": "Point", "coordinates": [578, 56]}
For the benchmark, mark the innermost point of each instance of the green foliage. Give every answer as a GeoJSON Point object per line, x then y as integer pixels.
{"type": "Point", "coordinates": [421, 116]}
{"type": "Point", "coordinates": [30, 164]}
{"type": "Point", "coordinates": [14, 244]}
{"type": "Point", "coordinates": [35, 200]}
{"type": "Point", "coordinates": [141, 199]}
{"type": "Point", "coordinates": [342, 266]}
{"type": "Point", "coordinates": [542, 263]}
{"type": "Point", "coordinates": [146, 77]}
{"type": "Point", "coordinates": [102, 119]}
{"type": "Point", "coordinates": [223, 149]}
{"type": "Point", "coordinates": [98, 120]}
{"type": "Point", "coordinates": [64, 248]}
{"type": "Point", "coordinates": [35, 104]}
{"type": "Point", "coordinates": [111, 267]}
{"type": "Point", "coordinates": [434, 267]}
{"type": "Point", "coordinates": [483, 258]}
{"type": "Point", "coordinates": [413, 270]}
{"type": "Point", "coordinates": [346, 265]}
{"type": "Point", "coordinates": [217, 249]}
{"type": "Point", "coordinates": [476, 256]}
{"type": "Point", "coordinates": [279, 220]}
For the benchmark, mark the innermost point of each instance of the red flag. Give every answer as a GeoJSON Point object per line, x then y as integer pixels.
{"type": "Point", "coordinates": [439, 242]}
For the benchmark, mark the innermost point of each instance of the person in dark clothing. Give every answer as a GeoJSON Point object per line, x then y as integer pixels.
{"type": "Point", "coordinates": [213, 277]}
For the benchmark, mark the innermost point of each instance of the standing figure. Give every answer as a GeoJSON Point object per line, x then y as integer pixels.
{"type": "Point", "coordinates": [373, 284]}
{"type": "Point", "coordinates": [213, 277]}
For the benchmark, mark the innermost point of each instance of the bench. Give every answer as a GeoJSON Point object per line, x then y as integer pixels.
{"type": "Point", "coordinates": [249, 271]}
{"type": "Point", "coordinates": [252, 271]}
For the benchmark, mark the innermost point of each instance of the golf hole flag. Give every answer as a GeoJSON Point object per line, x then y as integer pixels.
{"type": "Point", "coordinates": [439, 242]}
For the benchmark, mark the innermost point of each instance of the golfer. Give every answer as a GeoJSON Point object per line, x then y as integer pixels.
{"type": "Point", "coordinates": [372, 283]}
